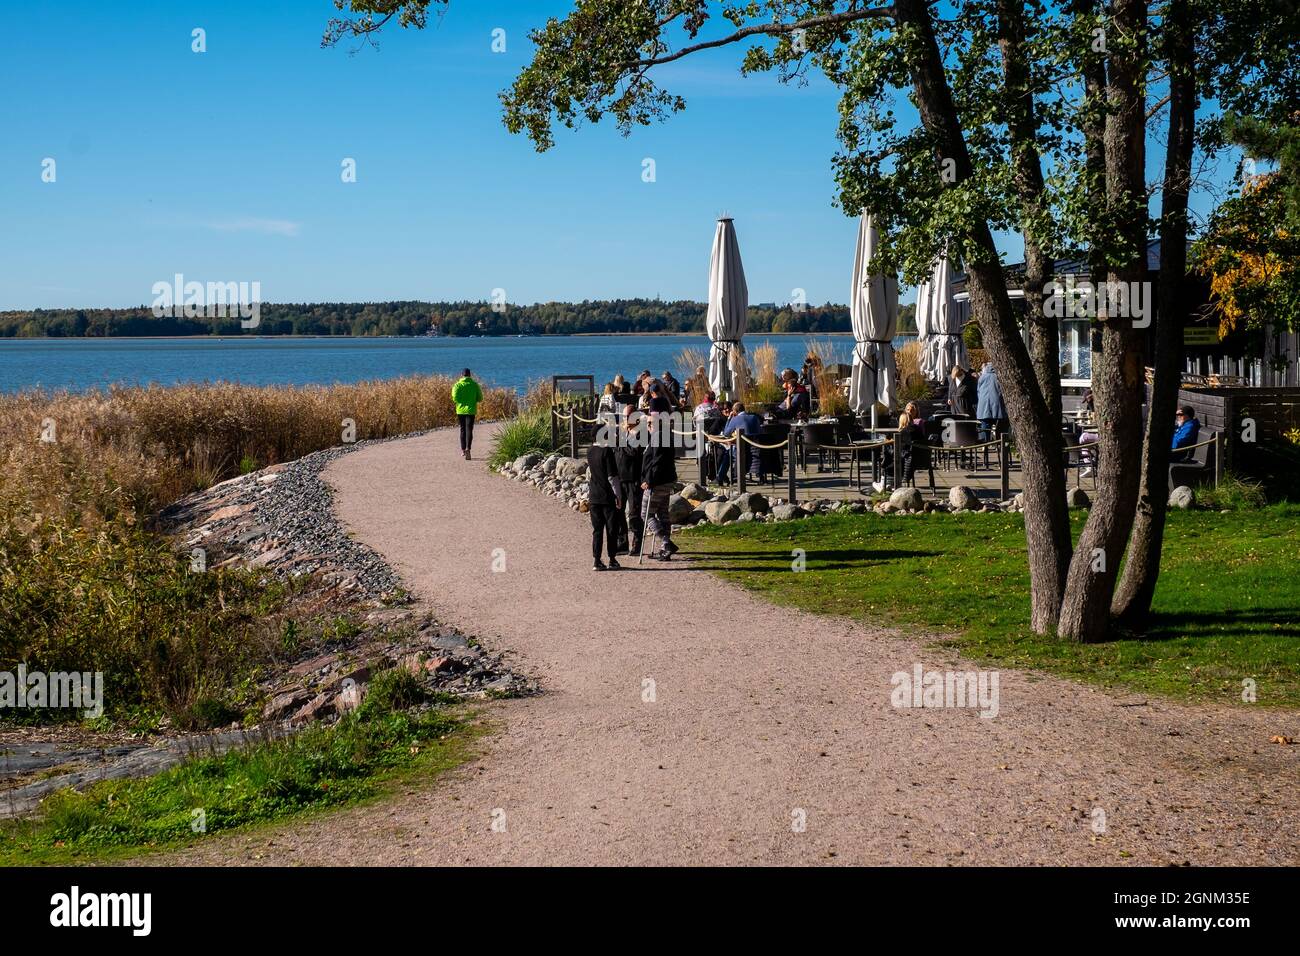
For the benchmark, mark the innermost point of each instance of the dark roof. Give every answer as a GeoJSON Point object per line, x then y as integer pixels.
{"type": "Point", "coordinates": [1076, 263]}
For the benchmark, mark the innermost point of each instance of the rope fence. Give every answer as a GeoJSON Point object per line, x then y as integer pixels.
{"type": "Point", "coordinates": [796, 439]}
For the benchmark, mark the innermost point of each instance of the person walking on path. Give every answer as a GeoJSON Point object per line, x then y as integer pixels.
{"type": "Point", "coordinates": [658, 474]}
{"type": "Point", "coordinates": [989, 408]}
{"type": "Point", "coordinates": [628, 456]}
{"type": "Point", "coordinates": [604, 501]}
{"type": "Point", "coordinates": [466, 394]}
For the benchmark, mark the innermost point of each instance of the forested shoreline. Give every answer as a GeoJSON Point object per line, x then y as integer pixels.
{"type": "Point", "coordinates": [420, 318]}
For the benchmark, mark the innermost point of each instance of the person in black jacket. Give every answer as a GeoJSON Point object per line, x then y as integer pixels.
{"type": "Point", "coordinates": [961, 392]}
{"type": "Point", "coordinates": [604, 500]}
{"type": "Point", "coordinates": [658, 473]}
{"type": "Point", "coordinates": [628, 456]}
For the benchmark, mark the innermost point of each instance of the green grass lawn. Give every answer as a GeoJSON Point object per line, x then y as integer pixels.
{"type": "Point", "coordinates": [1227, 606]}
{"type": "Point", "coordinates": [362, 756]}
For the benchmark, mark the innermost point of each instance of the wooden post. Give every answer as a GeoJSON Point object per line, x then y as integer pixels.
{"type": "Point", "coordinates": [789, 454]}
{"type": "Point", "coordinates": [555, 429]}
{"type": "Point", "coordinates": [573, 433]}
{"type": "Point", "coordinates": [701, 449]}
{"type": "Point", "coordinates": [1004, 462]}
{"type": "Point", "coordinates": [742, 472]}
{"type": "Point", "coordinates": [1218, 458]}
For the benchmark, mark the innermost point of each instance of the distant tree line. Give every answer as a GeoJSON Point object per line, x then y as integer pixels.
{"type": "Point", "coordinates": [419, 318]}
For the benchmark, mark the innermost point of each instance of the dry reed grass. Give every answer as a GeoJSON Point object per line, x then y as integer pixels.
{"type": "Point", "coordinates": [140, 448]}
{"type": "Point", "coordinates": [912, 385]}
{"type": "Point", "coordinates": [831, 399]}
{"type": "Point", "coordinates": [83, 585]}
{"type": "Point", "coordinates": [762, 384]}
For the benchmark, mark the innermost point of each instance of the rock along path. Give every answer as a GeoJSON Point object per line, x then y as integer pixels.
{"type": "Point", "coordinates": [762, 717]}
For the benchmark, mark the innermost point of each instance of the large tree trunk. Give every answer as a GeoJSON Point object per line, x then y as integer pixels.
{"type": "Point", "coordinates": [1117, 373]}
{"type": "Point", "coordinates": [1132, 600]}
{"type": "Point", "coordinates": [1044, 335]}
{"type": "Point", "coordinates": [1038, 434]}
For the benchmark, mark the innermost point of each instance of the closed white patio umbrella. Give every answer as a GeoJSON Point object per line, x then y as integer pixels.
{"type": "Point", "coordinates": [923, 301]}
{"type": "Point", "coordinates": [873, 309]}
{"type": "Point", "coordinates": [728, 305]}
{"type": "Point", "coordinates": [944, 346]}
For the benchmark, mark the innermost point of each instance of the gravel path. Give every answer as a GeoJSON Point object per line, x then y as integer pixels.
{"type": "Point", "coordinates": [762, 717]}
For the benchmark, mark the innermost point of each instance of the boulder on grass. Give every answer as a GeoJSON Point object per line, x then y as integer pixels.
{"type": "Point", "coordinates": [907, 499]}
{"type": "Point", "coordinates": [1182, 497]}
{"type": "Point", "coordinates": [961, 498]}
{"type": "Point", "coordinates": [719, 512]}
{"type": "Point", "coordinates": [524, 462]}
{"type": "Point", "coordinates": [1077, 498]}
{"type": "Point", "coordinates": [788, 512]}
{"type": "Point", "coordinates": [695, 491]}
{"type": "Point", "coordinates": [679, 509]}
{"type": "Point", "coordinates": [752, 502]}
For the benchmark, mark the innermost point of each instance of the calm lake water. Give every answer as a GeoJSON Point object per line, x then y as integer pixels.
{"type": "Point", "coordinates": [79, 364]}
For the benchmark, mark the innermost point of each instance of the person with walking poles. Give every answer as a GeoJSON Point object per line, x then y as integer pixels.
{"type": "Point", "coordinates": [628, 456]}
{"type": "Point", "coordinates": [658, 474]}
{"type": "Point", "coordinates": [466, 394]}
{"type": "Point", "coordinates": [604, 501]}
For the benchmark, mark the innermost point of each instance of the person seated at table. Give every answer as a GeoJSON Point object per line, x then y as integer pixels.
{"type": "Point", "coordinates": [696, 386]}
{"type": "Point", "coordinates": [656, 398]}
{"type": "Point", "coordinates": [748, 424]}
{"type": "Point", "coordinates": [911, 434]}
{"type": "Point", "coordinates": [1088, 439]}
{"type": "Point", "coordinates": [672, 388]}
{"type": "Point", "coordinates": [812, 370]}
{"type": "Point", "coordinates": [609, 400]}
{"type": "Point", "coordinates": [797, 403]}
{"type": "Point", "coordinates": [1186, 430]}
{"type": "Point", "coordinates": [707, 407]}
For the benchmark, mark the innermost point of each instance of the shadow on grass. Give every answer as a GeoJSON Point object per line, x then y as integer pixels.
{"type": "Point", "coordinates": [1170, 626]}
{"type": "Point", "coordinates": [782, 556]}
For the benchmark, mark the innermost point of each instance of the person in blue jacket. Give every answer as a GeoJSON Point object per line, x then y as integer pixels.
{"type": "Point", "coordinates": [989, 407]}
{"type": "Point", "coordinates": [1186, 430]}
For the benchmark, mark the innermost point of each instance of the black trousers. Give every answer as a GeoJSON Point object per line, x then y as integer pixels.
{"type": "Point", "coordinates": [466, 423]}
{"type": "Point", "coordinates": [604, 525]}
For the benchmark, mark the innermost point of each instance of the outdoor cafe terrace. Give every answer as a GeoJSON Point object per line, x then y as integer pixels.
{"type": "Point", "coordinates": [840, 458]}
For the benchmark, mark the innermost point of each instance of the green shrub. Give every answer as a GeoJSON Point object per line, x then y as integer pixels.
{"type": "Point", "coordinates": [1233, 494]}
{"type": "Point", "coordinates": [392, 691]}
{"type": "Point", "coordinates": [524, 434]}
{"type": "Point", "coordinates": [118, 600]}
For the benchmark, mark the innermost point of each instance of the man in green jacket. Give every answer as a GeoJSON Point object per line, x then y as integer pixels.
{"type": "Point", "coordinates": [466, 394]}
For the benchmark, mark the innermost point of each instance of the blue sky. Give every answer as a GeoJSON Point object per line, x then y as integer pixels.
{"type": "Point", "coordinates": [225, 166]}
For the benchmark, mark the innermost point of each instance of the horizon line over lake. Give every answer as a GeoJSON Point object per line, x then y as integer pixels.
{"type": "Point", "coordinates": [80, 364]}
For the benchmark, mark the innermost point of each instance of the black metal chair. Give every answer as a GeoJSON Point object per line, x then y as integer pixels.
{"type": "Point", "coordinates": [958, 434]}
{"type": "Point", "coordinates": [818, 437]}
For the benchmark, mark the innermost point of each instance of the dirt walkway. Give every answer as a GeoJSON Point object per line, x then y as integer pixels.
{"type": "Point", "coordinates": [761, 716]}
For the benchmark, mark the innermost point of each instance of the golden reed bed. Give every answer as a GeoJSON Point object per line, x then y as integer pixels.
{"type": "Point", "coordinates": [94, 455]}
